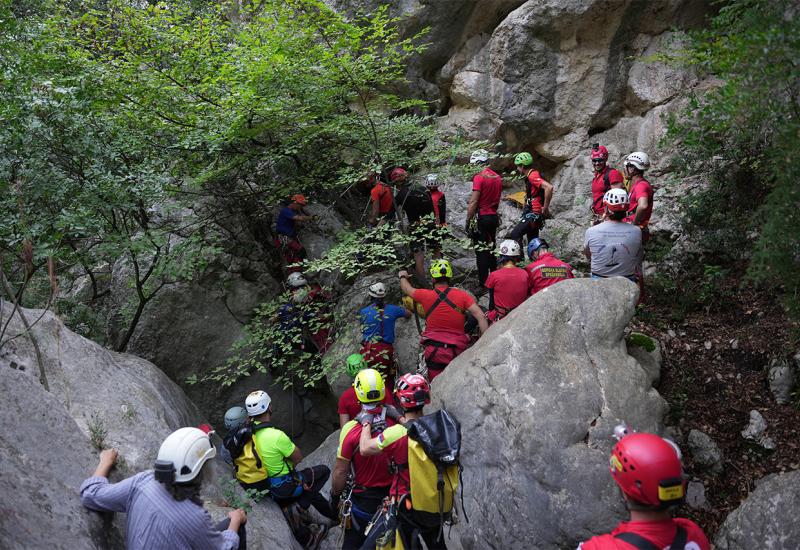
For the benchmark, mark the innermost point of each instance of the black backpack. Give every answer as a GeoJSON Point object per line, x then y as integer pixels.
{"type": "Point", "coordinates": [641, 543]}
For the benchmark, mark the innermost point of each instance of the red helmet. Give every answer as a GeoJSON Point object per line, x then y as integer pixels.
{"type": "Point", "coordinates": [412, 390]}
{"type": "Point", "coordinates": [599, 152]}
{"type": "Point", "coordinates": [397, 174]}
{"type": "Point", "coordinates": [648, 470]}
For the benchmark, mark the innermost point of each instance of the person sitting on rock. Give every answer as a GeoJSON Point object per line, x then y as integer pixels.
{"type": "Point", "coordinates": [444, 337]}
{"type": "Point", "coordinates": [545, 269]}
{"type": "Point", "coordinates": [163, 505]}
{"type": "Point", "coordinates": [377, 332]}
{"type": "Point", "coordinates": [487, 186]}
{"type": "Point", "coordinates": [613, 246]}
{"type": "Point", "coordinates": [349, 405]}
{"type": "Point", "coordinates": [286, 485]}
{"type": "Point", "coordinates": [648, 470]}
{"type": "Point", "coordinates": [292, 250]}
{"type": "Point", "coordinates": [412, 393]}
{"type": "Point", "coordinates": [508, 285]}
{"type": "Point", "coordinates": [381, 200]}
{"type": "Point", "coordinates": [371, 475]}
{"type": "Point", "coordinates": [605, 178]}
{"type": "Point", "coordinates": [538, 193]}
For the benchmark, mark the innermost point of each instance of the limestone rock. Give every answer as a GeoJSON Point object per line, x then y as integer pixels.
{"type": "Point", "coordinates": [705, 451]}
{"type": "Point", "coordinates": [696, 495]}
{"type": "Point", "coordinates": [781, 381]}
{"type": "Point", "coordinates": [756, 431]}
{"type": "Point", "coordinates": [763, 520]}
{"type": "Point", "coordinates": [537, 409]}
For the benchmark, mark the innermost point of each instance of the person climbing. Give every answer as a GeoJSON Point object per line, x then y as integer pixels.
{"type": "Point", "coordinates": [445, 308]}
{"type": "Point", "coordinates": [417, 203]}
{"type": "Point", "coordinates": [292, 250]}
{"type": "Point", "coordinates": [235, 418]}
{"type": "Point", "coordinates": [538, 193]}
{"type": "Point", "coordinates": [508, 285]}
{"type": "Point", "coordinates": [377, 332]}
{"type": "Point", "coordinates": [370, 476]}
{"type": "Point", "coordinates": [487, 186]}
{"type": "Point", "coordinates": [278, 456]}
{"type": "Point", "coordinates": [163, 504]}
{"type": "Point", "coordinates": [613, 246]}
{"type": "Point", "coordinates": [604, 178]}
{"type": "Point", "coordinates": [648, 471]}
{"type": "Point", "coordinates": [641, 205]}
{"type": "Point", "coordinates": [307, 314]}
{"type": "Point", "coordinates": [439, 202]}
{"type": "Point", "coordinates": [381, 200]}
{"type": "Point", "coordinates": [349, 405]}
{"type": "Point", "coordinates": [545, 269]}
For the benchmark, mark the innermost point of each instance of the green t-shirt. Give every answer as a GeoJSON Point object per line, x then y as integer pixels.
{"type": "Point", "coordinates": [274, 448]}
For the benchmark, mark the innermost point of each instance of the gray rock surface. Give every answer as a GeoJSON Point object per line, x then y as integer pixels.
{"type": "Point", "coordinates": [705, 451]}
{"type": "Point", "coordinates": [765, 519]}
{"type": "Point", "coordinates": [696, 495]}
{"type": "Point", "coordinates": [756, 429]}
{"type": "Point", "coordinates": [782, 381]}
{"type": "Point", "coordinates": [537, 409]}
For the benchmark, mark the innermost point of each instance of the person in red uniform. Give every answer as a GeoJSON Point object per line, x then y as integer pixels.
{"type": "Point", "coordinates": [381, 199]}
{"type": "Point", "coordinates": [648, 470]}
{"type": "Point", "coordinates": [545, 269]}
{"type": "Point", "coordinates": [508, 285]}
{"type": "Point", "coordinates": [292, 250]}
{"type": "Point", "coordinates": [372, 474]}
{"type": "Point", "coordinates": [604, 178]}
{"type": "Point", "coordinates": [445, 311]}
{"type": "Point", "coordinates": [538, 193]}
{"type": "Point", "coordinates": [439, 203]}
{"type": "Point", "coordinates": [641, 204]}
{"type": "Point", "coordinates": [484, 201]}
{"type": "Point", "coordinates": [349, 405]}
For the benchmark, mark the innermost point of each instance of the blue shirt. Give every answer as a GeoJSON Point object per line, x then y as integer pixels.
{"type": "Point", "coordinates": [371, 323]}
{"type": "Point", "coordinates": [285, 223]}
{"type": "Point", "coordinates": [156, 521]}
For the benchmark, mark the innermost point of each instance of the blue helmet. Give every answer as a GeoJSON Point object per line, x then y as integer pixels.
{"type": "Point", "coordinates": [536, 244]}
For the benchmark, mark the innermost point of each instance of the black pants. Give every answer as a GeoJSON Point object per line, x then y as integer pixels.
{"type": "Point", "coordinates": [487, 234]}
{"type": "Point", "coordinates": [223, 526]}
{"type": "Point", "coordinates": [367, 502]}
{"type": "Point", "coordinates": [415, 525]}
{"type": "Point", "coordinates": [525, 228]}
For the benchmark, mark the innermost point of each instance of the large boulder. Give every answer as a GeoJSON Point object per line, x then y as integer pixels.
{"type": "Point", "coordinates": [765, 519]}
{"type": "Point", "coordinates": [538, 397]}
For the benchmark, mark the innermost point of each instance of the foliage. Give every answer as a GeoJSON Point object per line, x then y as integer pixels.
{"type": "Point", "coordinates": [641, 340]}
{"type": "Point", "coordinates": [743, 135]}
{"type": "Point", "coordinates": [232, 491]}
{"type": "Point", "coordinates": [97, 431]}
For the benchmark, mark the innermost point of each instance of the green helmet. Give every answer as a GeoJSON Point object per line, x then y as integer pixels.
{"type": "Point", "coordinates": [523, 159]}
{"type": "Point", "coordinates": [355, 363]}
{"type": "Point", "coordinates": [441, 268]}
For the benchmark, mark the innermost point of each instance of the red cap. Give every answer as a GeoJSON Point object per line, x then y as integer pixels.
{"type": "Point", "coordinates": [299, 199]}
{"type": "Point", "coordinates": [397, 173]}
{"type": "Point", "coordinates": [600, 153]}
{"type": "Point", "coordinates": [648, 469]}
{"type": "Point", "coordinates": [206, 428]}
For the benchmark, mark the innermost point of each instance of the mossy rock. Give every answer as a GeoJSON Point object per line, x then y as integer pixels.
{"type": "Point", "coordinates": [641, 340]}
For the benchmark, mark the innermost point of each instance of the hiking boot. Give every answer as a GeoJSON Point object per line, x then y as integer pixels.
{"type": "Point", "coordinates": [318, 533]}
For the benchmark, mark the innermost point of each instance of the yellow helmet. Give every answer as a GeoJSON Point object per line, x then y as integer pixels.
{"type": "Point", "coordinates": [369, 386]}
{"type": "Point", "coordinates": [441, 268]}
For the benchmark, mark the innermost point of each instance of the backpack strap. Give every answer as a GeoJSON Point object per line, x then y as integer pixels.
{"type": "Point", "coordinates": [679, 542]}
{"type": "Point", "coordinates": [443, 298]}
{"type": "Point", "coordinates": [637, 541]}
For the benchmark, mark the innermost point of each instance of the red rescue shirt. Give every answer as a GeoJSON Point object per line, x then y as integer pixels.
{"type": "Point", "coordinates": [383, 194]}
{"type": "Point", "coordinates": [510, 285]}
{"type": "Point", "coordinates": [490, 185]}
{"type": "Point", "coordinates": [537, 193]}
{"type": "Point", "coordinates": [641, 188]}
{"type": "Point", "coordinates": [660, 533]}
{"type": "Point", "coordinates": [444, 317]}
{"type": "Point", "coordinates": [599, 187]}
{"type": "Point", "coordinates": [371, 471]}
{"type": "Point", "coordinates": [546, 271]}
{"type": "Point", "coordinates": [351, 406]}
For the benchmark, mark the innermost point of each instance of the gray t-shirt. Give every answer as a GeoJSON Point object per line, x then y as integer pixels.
{"type": "Point", "coordinates": [616, 248]}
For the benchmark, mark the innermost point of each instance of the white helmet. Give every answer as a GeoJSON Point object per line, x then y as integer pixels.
{"type": "Point", "coordinates": [187, 449]}
{"type": "Point", "coordinates": [430, 180]}
{"type": "Point", "coordinates": [481, 155]}
{"type": "Point", "coordinates": [296, 279]}
{"type": "Point", "coordinates": [616, 200]}
{"type": "Point", "coordinates": [377, 290]}
{"type": "Point", "coordinates": [257, 402]}
{"type": "Point", "coordinates": [638, 159]}
{"type": "Point", "coordinates": [509, 247]}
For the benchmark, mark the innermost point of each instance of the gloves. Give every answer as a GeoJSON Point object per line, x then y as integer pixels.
{"type": "Point", "coordinates": [362, 417]}
{"type": "Point", "coordinates": [393, 413]}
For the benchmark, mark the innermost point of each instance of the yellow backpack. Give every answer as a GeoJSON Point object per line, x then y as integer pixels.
{"type": "Point", "coordinates": [246, 460]}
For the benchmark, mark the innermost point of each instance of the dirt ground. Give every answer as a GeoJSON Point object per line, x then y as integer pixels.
{"type": "Point", "coordinates": [715, 368]}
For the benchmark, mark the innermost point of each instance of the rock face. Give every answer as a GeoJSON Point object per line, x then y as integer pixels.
{"type": "Point", "coordinates": [537, 408]}
{"type": "Point", "coordinates": [705, 451]}
{"type": "Point", "coordinates": [764, 520]}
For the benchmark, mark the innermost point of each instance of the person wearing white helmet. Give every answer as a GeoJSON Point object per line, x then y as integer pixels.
{"type": "Point", "coordinates": [286, 485]}
{"type": "Point", "coordinates": [378, 331]}
{"type": "Point", "coordinates": [641, 197]}
{"type": "Point", "coordinates": [163, 505]}
{"type": "Point", "coordinates": [307, 314]}
{"type": "Point", "coordinates": [613, 246]}
{"type": "Point", "coordinates": [508, 284]}
{"type": "Point", "coordinates": [425, 210]}
{"type": "Point", "coordinates": [482, 220]}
